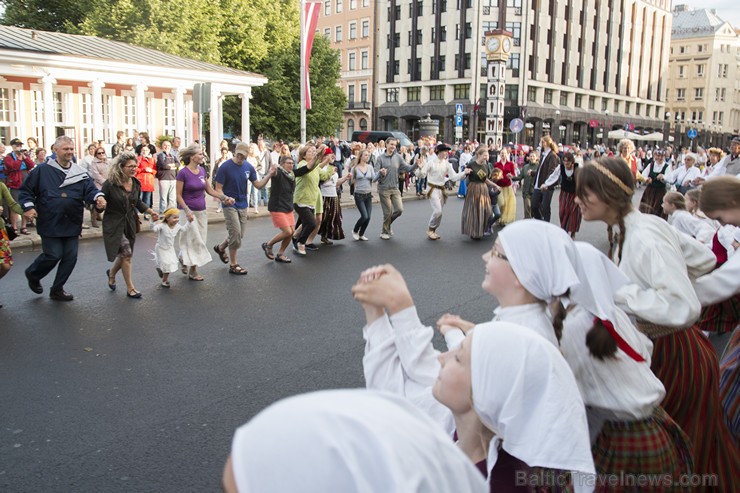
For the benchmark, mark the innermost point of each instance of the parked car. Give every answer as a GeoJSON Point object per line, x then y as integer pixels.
{"type": "Point", "coordinates": [376, 136]}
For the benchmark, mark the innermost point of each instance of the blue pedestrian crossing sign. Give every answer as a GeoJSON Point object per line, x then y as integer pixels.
{"type": "Point", "coordinates": [458, 109]}
{"type": "Point", "coordinates": [458, 120]}
{"type": "Point", "coordinates": [691, 133]}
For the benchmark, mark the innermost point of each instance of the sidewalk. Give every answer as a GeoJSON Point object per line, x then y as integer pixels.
{"type": "Point", "coordinates": [33, 240]}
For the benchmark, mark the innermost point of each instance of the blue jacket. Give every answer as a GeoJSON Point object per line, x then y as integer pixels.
{"type": "Point", "coordinates": [60, 208]}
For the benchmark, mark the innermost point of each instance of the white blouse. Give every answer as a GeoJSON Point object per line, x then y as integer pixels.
{"type": "Point", "coordinates": [681, 175]}
{"type": "Point", "coordinates": [691, 225]}
{"type": "Point", "coordinates": [721, 283]}
{"type": "Point", "coordinates": [659, 261]}
{"type": "Point", "coordinates": [533, 316]}
{"type": "Point", "coordinates": [437, 172]}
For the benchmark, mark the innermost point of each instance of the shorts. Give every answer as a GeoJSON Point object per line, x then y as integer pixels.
{"type": "Point", "coordinates": [282, 219]}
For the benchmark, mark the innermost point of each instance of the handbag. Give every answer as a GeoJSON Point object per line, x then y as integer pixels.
{"type": "Point", "coordinates": [10, 231]}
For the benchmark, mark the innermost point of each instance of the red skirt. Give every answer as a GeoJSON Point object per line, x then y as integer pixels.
{"type": "Point", "coordinates": [729, 386]}
{"type": "Point", "coordinates": [687, 365]}
{"type": "Point", "coordinates": [721, 317]}
{"type": "Point", "coordinates": [570, 213]}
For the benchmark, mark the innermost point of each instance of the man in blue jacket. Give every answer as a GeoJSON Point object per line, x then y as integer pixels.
{"type": "Point", "coordinates": [56, 193]}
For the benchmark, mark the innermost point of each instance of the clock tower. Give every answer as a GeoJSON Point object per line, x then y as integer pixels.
{"type": "Point", "coordinates": [498, 46]}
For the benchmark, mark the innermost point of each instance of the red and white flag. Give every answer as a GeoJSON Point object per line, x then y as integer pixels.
{"type": "Point", "coordinates": [311, 19]}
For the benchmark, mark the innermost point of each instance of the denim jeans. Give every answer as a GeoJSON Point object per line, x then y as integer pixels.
{"type": "Point", "coordinates": [62, 251]}
{"type": "Point", "coordinates": [364, 203]}
{"type": "Point", "coordinates": [146, 197]}
{"type": "Point", "coordinates": [421, 184]}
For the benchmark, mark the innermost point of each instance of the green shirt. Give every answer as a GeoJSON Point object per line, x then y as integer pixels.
{"type": "Point", "coordinates": [6, 198]}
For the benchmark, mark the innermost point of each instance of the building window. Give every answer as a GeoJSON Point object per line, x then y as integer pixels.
{"type": "Point", "coordinates": [579, 101]}
{"type": "Point", "coordinates": [638, 109]}
{"type": "Point", "coordinates": [338, 34]}
{"type": "Point", "coordinates": [169, 116]}
{"type": "Point", "coordinates": [468, 30]}
{"type": "Point", "coordinates": [592, 102]}
{"type": "Point", "coordinates": [352, 30]}
{"type": "Point", "coordinates": [698, 94]}
{"type": "Point", "coordinates": [682, 49]}
{"type": "Point", "coordinates": [513, 64]}
{"type": "Point", "coordinates": [604, 104]}
{"type": "Point", "coordinates": [720, 118]}
{"type": "Point", "coordinates": [532, 94]}
{"type": "Point", "coordinates": [627, 107]}
{"type": "Point", "coordinates": [365, 3]}
{"type": "Point", "coordinates": [352, 6]}
{"type": "Point", "coordinates": [391, 95]}
{"type": "Point", "coordinates": [462, 91]}
{"type": "Point", "coordinates": [681, 71]}
{"type": "Point", "coordinates": [339, 6]}
{"type": "Point", "coordinates": [108, 132]}
{"type": "Point", "coordinates": [722, 94]}
{"type": "Point", "coordinates": [563, 98]}
{"type": "Point", "coordinates": [466, 62]}
{"type": "Point", "coordinates": [363, 124]}
{"type": "Point", "coordinates": [548, 96]}
{"type": "Point", "coordinates": [680, 94]}
{"type": "Point", "coordinates": [616, 106]}
{"type": "Point", "coordinates": [436, 93]}
{"type": "Point", "coordinates": [443, 36]}
{"type": "Point", "coordinates": [363, 93]}
{"type": "Point", "coordinates": [327, 7]}
{"type": "Point", "coordinates": [352, 61]}
{"type": "Point", "coordinates": [327, 33]}
{"type": "Point", "coordinates": [516, 29]}
{"type": "Point", "coordinates": [351, 95]}
{"type": "Point", "coordinates": [700, 70]}
{"type": "Point", "coordinates": [350, 122]}
{"type": "Point", "coordinates": [364, 60]}
{"type": "Point", "coordinates": [413, 94]}
{"type": "Point", "coordinates": [365, 29]}
{"type": "Point", "coordinates": [511, 94]}
{"type": "Point", "coordinates": [9, 114]}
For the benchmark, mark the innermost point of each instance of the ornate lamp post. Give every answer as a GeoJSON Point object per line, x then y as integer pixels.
{"type": "Point", "coordinates": [607, 126]}
{"type": "Point", "coordinates": [666, 127]}
{"type": "Point", "coordinates": [498, 45]}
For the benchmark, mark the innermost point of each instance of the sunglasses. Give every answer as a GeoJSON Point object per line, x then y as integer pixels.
{"type": "Point", "coordinates": [101, 153]}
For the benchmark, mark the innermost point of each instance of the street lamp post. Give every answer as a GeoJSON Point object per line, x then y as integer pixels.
{"type": "Point", "coordinates": [606, 127]}
{"type": "Point", "coordinates": [556, 125]}
{"type": "Point", "coordinates": [666, 127]}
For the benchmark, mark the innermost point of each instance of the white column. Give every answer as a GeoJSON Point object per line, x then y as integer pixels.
{"type": "Point", "coordinates": [141, 124]}
{"type": "Point", "coordinates": [97, 108]}
{"type": "Point", "coordinates": [246, 96]}
{"type": "Point", "coordinates": [49, 134]}
{"type": "Point", "coordinates": [216, 117]}
{"type": "Point", "coordinates": [180, 113]}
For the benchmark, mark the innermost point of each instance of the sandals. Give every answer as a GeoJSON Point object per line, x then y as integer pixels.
{"type": "Point", "coordinates": [183, 267]}
{"type": "Point", "coordinates": [165, 284]}
{"type": "Point", "coordinates": [221, 254]}
{"type": "Point", "coordinates": [134, 294]}
{"type": "Point", "coordinates": [195, 277]}
{"type": "Point", "coordinates": [282, 259]}
{"type": "Point", "coordinates": [111, 285]}
{"type": "Point", "coordinates": [24, 231]}
{"type": "Point", "coordinates": [268, 251]}
{"type": "Point", "coordinates": [326, 241]}
{"type": "Point", "coordinates": [238, 270]}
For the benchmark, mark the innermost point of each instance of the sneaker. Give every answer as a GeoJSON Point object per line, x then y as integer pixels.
{"type": "Point", "coordinates": [312, 247]}
{"type": "Point", "coordinates": [391, 232]}
{"type": "Point", "coordinates": [355, 235]}
{"type": "Point", "coordinates": [364, 238]}
{"type": "Point", "coordinates": [300, 249]}
{"type": "Point", "coordinates": [431, 235]}
{"type": "Point", "coordinates": [385, 236]}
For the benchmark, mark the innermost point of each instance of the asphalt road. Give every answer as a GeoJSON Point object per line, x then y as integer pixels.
{"type": "Point", "coordinates": [108, 394]}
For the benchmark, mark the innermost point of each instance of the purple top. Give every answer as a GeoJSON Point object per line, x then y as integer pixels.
{"type": "Point", "coordinates": [193, 188]}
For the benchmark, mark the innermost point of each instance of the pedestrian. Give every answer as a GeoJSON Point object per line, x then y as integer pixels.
{"type": "Point", "coordinates": [146, 173]}
{"type": "Point", "coordinates": [567, 175]}
{"type": "Point", "coordinates": [349, 441]}
{"type": "Point", "coordinates": [388, 164]}
{"type": "Point", "coordinates": [192, 187]}
{"type": "Point", "coordinates": [363, 175]}
{"type": "Point", "coordinates": [437, 172]}
{"type": "Point", "coordinates": [729, 165]}
{"type": "Point", "coordinates": [165, 256]}
{"type": "Point", "coordinates": [254, 159]}
{"type": "Point", "coordinates": [465, 158]}
{"type": "Point", "coordinates": [655, 173]}
{"type": "Point", "coordinates": [231, 184]}
{"type": "Point", "coordinates": [626, 149]}
{"type": "Point", "coordinates": [674, 206]}
{"type": "Point", "coordinates": [421, 160]}
{"type": "Point", "coordinates": [659, 261]}
{"type": "Point", "coordinates": [506, 198]}
{"type": "Point", "coordinates": [548, 162]}
{"type": "Point", "coordinates": [330, 227]}
{"type": "Point", "coordinates": [167, 167]}
{"type": "Point", "coordinates": [16, 164]}
{"type": "Point", "coordinates": [683, 177]}
{"type": "Point", "coordinates": [477, 210]}
{"type": "Point", "coordinates": [56, 193]}
{"type": "Point", "coordinates": [307, 201]}
{"type": "Point", "coordinates": [6, 255]}
{"type": "Point", "coordinates": [280, 205]}
{"type": "Point", "coordinates": [526, 177]}
{"type": "Point", "coordinates": [461, 389]}
{"type": "Point", "coordinates": [121, 222]}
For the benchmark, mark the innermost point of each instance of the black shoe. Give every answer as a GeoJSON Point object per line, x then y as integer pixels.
{"type": "Point", "coordinates": [312, 247]}
{"type": "Point", "coordinates": [295, 243]}
{"type": "Point", "coordinates": [61, 295]}
{"type": "Point", "coordinates": [34, 284]}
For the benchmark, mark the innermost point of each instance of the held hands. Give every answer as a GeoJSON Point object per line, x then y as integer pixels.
{"type": "Point", "coordinates": [543, 188]}
{"type": "Point", "coordinates": [449, 321]}
{"type": "Point", "coordinates": [468, 171]}
{"type": "Point", "coordinates": [383, 171]}
{"type": "Point", "coordinates": [30, 214]}
{"type": "Point", "coordinates": [229, 201]}
{"type": "Point", "coordinates": [383, 286]}
{"type": "Point", "coordinates": [100, 203]}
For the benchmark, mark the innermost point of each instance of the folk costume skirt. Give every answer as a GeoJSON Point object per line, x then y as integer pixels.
{"type": "Point", "coordinates": [721, 317]}
{"type": "Point", "coordinates": [654, 446]}
{"type": "Point", "coordinates": [507, 204]}
{"type": "Point", "coordinates": [476, 210]}
{"type": "Point", "coordinates": [687, 365]}
{"type": "Point", "coordinates": [570, 213]}
{"type": "Point", "coordinates": [6, 255]}
{"type": "Point", "coordinates": [652, 201]}
{"type": "Point", "coordinates": [331, 221]}
{"type": "Point", "coordinates": [729, 386]}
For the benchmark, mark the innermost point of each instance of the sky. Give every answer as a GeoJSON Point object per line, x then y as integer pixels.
{"type": "Point", "coordinates": [727, 10]}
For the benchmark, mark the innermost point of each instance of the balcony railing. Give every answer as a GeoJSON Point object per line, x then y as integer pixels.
{"type": "Point", "coordinates": [359, 105]}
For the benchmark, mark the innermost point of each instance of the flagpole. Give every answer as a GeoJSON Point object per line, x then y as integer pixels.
{"type": "Point", "coordinates": [303, 72]}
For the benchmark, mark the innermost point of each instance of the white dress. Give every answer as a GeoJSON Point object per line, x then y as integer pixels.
{"type": "Point", "coordinates": [164, 251]}
{"type": "Point", "coordinates": [692, 226]}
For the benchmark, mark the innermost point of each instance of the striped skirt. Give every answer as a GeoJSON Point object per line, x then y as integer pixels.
{"type": "Point", "coordinates": [570, 213]}
{"type": "Point", "coordinates": [655, 446]}
{"type": "Point", "coordinates": [652, 201]}
{"type": "Point", "coordinates": [476, 210]}
{"type": "Point", "coordinates": [331, 222]}
{"type": "Point", "coordinates": [729, 386]}
{"type": "Point", "coordinates": [721, 317]}
{"type": "Point", "coordinates": [687, 365]}
{"type": "Point", "coordinates": [507, 204]}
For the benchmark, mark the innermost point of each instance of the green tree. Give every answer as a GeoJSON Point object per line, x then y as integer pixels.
{"type": "Point", "coordinates": [44, 15]}
{"type": "Point", "coordinates": [275, 108]}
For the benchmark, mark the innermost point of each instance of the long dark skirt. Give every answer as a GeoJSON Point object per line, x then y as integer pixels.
{"type": "Point", "coordinates": [721, 317]}
{"type": "Point", "coordinates": [687, 365]}
{"type": "Point", "coordinates": [729, 386]}
{"type": "Point", "coordinates": [652, 201]}
{"type": "Point", "coordinates": [476, 210]}
{"type": "Point", "coordinates": [331, 222]}
{"type": "Point", "coordinates": [570, 213]}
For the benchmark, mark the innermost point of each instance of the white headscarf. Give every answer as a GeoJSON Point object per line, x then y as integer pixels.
{"type": "Point", "coordinates": [537, 252]}
{"type": "Point", "coordinates": [524, 391]}
{"type": "Point", "coordinates": [600, 279]}
{"type": "Point", "coordinates": [349, 441]}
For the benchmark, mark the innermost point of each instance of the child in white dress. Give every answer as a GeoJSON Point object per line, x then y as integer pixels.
{"type": "Point", "coordinates": [164, 251]}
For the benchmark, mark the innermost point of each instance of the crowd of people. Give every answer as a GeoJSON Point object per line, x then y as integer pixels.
{"type": "Point", "coordinates": [608, 368]}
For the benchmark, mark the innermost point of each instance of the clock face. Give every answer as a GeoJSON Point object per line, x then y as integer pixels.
{"type": "Point", "coordinates": [507, 45]}
{"type": "Point", "coordinates": [493, 44]}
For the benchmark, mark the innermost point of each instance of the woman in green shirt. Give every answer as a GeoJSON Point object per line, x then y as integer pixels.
{"type": "Point", "coordinates": [6, 256]}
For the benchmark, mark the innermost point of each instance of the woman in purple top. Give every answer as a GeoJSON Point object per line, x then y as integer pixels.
{"type": "Point", "coordinates": [192, 185]}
